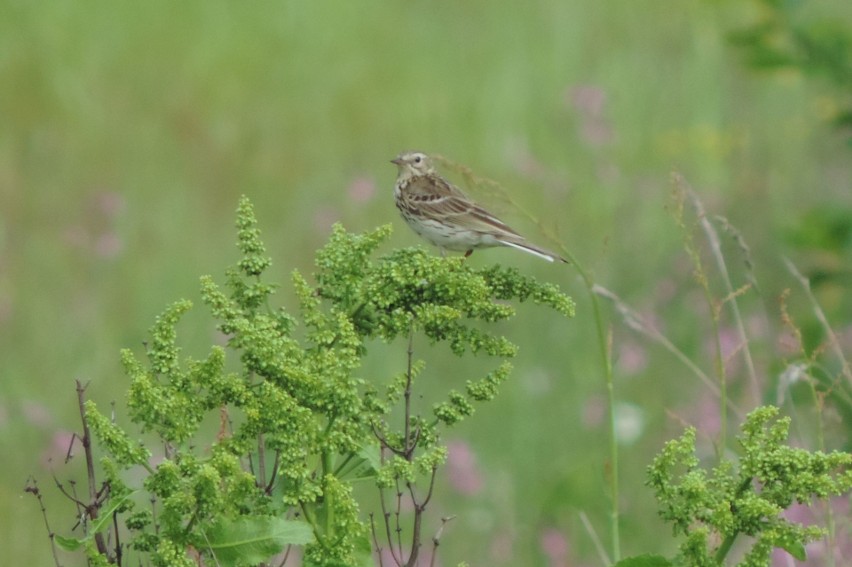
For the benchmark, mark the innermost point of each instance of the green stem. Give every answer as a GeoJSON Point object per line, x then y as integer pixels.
{"type": "Point", "coordinates": [729, 540]}
{"type": "Point", "coordinates": [684, 192]}
{"type": "Point", "coordinates": [723, 550]}
{"type": "Point", "coordinates": [328, 500]}
{"type": "Point", "coordinates": [606, 360]}
{"type": "Point", "coordinates": [311, 519]}
{"type": "Point", "coordinates": [341, 468]}
{"type": "Point", "coordinates": [720, 370]}
{"type": "Point", "coordinates": [829, 511]}
{"type": "Point", "coordinates": [603, 343]}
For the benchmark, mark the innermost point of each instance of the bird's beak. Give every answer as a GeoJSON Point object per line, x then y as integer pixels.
{"type": "Point", "coordinates": [396, 161]}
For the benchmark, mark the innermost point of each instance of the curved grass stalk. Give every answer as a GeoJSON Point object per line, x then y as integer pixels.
{"type": "Point", "coordinates": [602, 335]}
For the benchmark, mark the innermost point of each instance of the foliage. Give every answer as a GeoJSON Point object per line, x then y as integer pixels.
{"type": "Point", "coordinates": [297, 425]}
{"type": "Point", "coordinates": [285, 98]}
{"type": "Point", "coordinates": [746, 498]}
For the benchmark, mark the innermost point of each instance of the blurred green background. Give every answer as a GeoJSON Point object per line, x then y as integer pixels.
{"type": "Point", "coordinates": [128, 132]}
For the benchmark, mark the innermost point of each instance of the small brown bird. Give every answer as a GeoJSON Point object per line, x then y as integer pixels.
{"type": "Point", "coordinates": [441, 213]}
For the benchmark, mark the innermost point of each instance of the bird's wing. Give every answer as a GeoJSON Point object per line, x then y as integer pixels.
{"type": "Point", "coordinates": [435, 197]}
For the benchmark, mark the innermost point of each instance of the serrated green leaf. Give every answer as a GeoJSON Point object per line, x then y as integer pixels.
{"type": "Point", "coordinates": [102, 522]}
{"type": "Point", "coordinates": [373, 455]}
{"type": "Point", "coordinates": [645, 561]}
{"type": "Point", "coordinates": [364, 465]}
{"type": "Point", "coordinates": [252, 540]}
{"type": "Point", "coordinates": [364, 552]}
{"type": "Point", "coordinates": [105, 515]}
{"type": "Point", "coordinates": [796, 549]}
{"type": "Point", "coordinates": [68, 543]}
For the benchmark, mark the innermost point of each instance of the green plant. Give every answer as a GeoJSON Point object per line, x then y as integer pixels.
{"type": "Point", "coordinates": [297, 426]}
{"type": "Point", "coordinates": [742, 500]}
{"type": "Point", "coordinates": [746, 498]}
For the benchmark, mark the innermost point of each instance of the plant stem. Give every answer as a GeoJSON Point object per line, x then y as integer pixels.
{"type": "Point", "coordinates": [729, 540]}
{"type": "Point", "coordinates": [408, 449]}
{"type": "Point", "coordinates": [682, 192]}
{"type": "Point", "coordinates": [833, 341]}
{"type": "Point", "coordinates": [606, 361]}
{"type": "Point", "coordinates": [261, 461]}
{"type": "Point", "coordinates": [636, 322]}
{"type": "Point", "coordinates": [311, 519]}
{"type": "Point", "coordinates": [603, 343]}
{"type": "Point", "coordinates": [716, 251]}
{"type": "Point", "coordinates": [94, 503]}
{"type": "Point", "coordinates": [328, 499]}
{"type": "Point", "coordinates": [32, 488]}
{"type": "Point", "coordinates": [725, 547]}
{"type": "Point", "coordinates": [831, 529]}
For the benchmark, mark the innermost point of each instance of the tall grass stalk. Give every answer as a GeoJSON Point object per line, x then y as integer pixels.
{"type": "Point", "coordinates": [605, 350]}
{"type": "Point", "coordinates": [603, 335]}
{"type": "Point", "coordinates": [845, 367]}
{"type": "Point", "coordinates": [637, 323]}
{"type": "Point", "coordinates": [680, 192]}
{"type": "Point", "coordinates": [818, 397]}
{"type": "Point", "coordinates": [593, 535]}
{"type": "Point", "coordinates": [732, 294]}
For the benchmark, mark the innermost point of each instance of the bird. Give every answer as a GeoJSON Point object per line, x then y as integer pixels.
{"type": "Point", "coordinates": [441, 213]}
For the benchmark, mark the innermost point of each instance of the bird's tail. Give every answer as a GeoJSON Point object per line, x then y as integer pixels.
{"type": "Point", "coordinates": [525, 246]}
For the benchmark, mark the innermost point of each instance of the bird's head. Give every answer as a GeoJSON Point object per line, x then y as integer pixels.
{"type": "Point", "coordinates": [413, 163]}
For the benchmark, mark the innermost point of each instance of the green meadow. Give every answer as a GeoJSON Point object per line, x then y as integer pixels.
{"type": "Point", "coordinates": [128, 132]}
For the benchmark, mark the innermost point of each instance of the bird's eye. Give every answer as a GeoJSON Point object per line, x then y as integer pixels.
{"type": "Point", "coordinates": [417, 159]}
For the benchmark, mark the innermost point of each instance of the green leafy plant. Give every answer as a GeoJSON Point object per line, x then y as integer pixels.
{"type": "Point", "coordinates": [266, 456]}
{"type": "Point", "coordinates": [733, 511]}
{"type": "Point", "coordinates": [713, 508]}
{"type": "Point", "coordinates": [254, 453]}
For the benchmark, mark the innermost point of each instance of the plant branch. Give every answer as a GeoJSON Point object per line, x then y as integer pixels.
{"type": "Point", "coordinates": [376, 539]}
{"type": "Point", "coordinates": [386, 514]}
{"type": "Point", "coordinates": [118, 552]}
{"type": "Point", "coordinates": [436, 539]}
{"type": "Point", "coordinates": [72, 497]}
{"type": "Point", "coordinates": [94, 503]}
{"type": "Point", "coordinates": [274, 476]}
{"type": "Point", "coordinates": [32, 488]}
{"type": "Point", "coordinates": [431, 487]}
{"type": "Point", "coordinates": [286, 555]}
{"type": "Point", "coordinates": [397, 516]}
{"type": "Point", "coordinates": [408, 447]}
{"type": "Point", "coordinates": [416, 528]}
{"type": "Point", "coordinates": [261, 461]}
